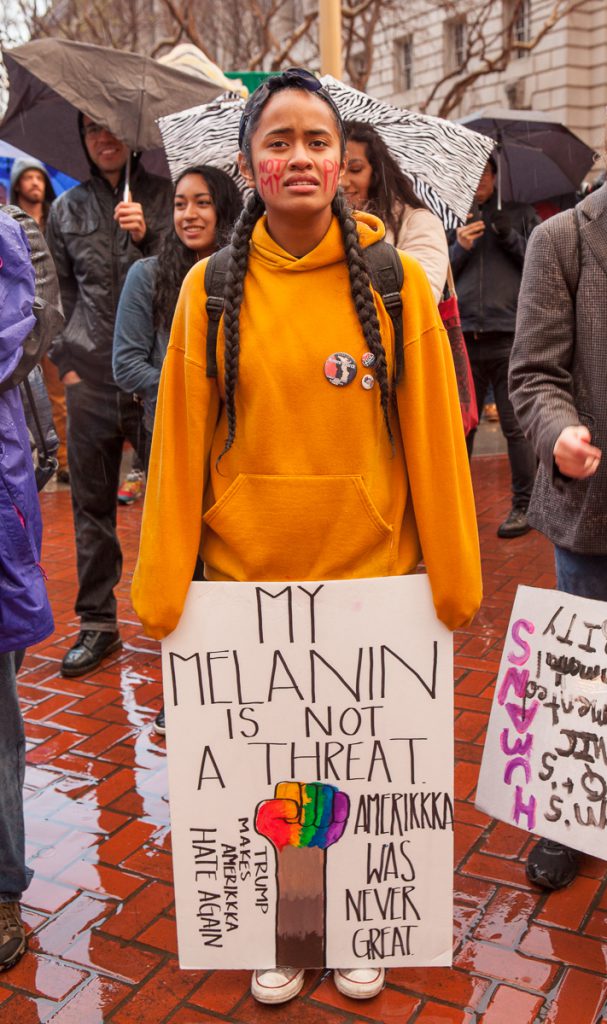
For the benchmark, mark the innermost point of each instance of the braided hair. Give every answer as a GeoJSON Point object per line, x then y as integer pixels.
{"type": "Point", "coordinates": [233, 294]}
{"type": "Point", "coordinates": [360, 285]}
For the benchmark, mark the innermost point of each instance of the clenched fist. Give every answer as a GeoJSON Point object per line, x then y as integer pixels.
{"type": "Point", "coordinates": [574, 455]}
{"type": "Point", "coordinates": [303, 814]}
{"type": "Point", "coordinates": [129, 216]}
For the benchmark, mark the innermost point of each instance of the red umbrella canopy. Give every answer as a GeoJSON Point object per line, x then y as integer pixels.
{"type": "Point", "coordinates": [50, 80]}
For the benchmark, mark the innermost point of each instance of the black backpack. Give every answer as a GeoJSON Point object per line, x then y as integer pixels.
{"type": "Point", "coordinates": [386, 273]}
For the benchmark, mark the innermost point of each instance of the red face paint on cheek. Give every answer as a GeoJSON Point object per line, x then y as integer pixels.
{"type": "Point", "coordinates": [330, 175]}
{"type": "Point", "coordinates": [269, 173]}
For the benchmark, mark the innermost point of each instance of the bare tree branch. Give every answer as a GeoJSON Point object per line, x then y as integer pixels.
{"type": "Point", "coordinates": [488, 52]}
{"type": "Point", "coordinates": [253, 34]}
{"type": "Point", "coordinates": [284, 54]}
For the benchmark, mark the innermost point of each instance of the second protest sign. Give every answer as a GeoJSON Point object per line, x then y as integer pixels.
{"type": "Point", "coordinates": [544, 765]}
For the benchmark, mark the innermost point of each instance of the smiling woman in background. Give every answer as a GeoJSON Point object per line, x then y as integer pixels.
{"type": "Point", "coordinates": [206, 203]}
{"type": "Point", "coordinates": [373, 181]}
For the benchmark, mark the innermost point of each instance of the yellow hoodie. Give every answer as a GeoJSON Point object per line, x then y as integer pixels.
{"type": "Point", "coordinates": [311, 489]}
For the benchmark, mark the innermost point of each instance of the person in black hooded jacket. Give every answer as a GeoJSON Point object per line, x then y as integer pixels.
{"type": "Point", "coordinates": [487, 256]}
{"type": "Point", "coordinates": [95, 233]}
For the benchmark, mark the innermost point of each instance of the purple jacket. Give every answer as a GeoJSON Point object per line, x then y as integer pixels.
{"type": "Point", "coordinates": [25, 614]}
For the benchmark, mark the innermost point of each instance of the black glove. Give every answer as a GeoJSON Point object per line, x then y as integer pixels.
{"type": "Point", "coordinates": [501, 223]}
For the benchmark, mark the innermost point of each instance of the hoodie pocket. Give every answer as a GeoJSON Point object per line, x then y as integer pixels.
{"type": "Point", "coordinates": [269, 527]}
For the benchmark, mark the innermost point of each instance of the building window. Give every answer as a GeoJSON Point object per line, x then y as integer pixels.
{"type": "Point", "coordinates": [456, 41]}
{"type": "Point", "coordinates": [404, 64]}
{"type": "Point", "coordinates": [359, 66]}
{"type": "Point", "coordinates": [518, 14]}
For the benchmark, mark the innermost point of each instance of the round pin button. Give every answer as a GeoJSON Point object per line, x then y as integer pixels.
{"type": "Point", "coordinates": [368, 359]}
{"type": "Point", "coordinates": [368, 381]}
{"type": "Point", "coordinates": [340, 369]}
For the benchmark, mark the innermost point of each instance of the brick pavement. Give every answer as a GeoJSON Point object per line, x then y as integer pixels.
{"type": "Point", "coordinates": [103, 945]}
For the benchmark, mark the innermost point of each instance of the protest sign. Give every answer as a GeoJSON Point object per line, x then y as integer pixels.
{"type": "Point", "coordinates": [310, 749]}
{"type": "Point", "coordinates": [544, 765]}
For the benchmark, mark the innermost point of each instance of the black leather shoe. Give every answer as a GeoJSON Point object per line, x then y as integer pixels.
{"type": "Point", "coordinates": [515, 524]}
{"type": "Point", "coordinates": [91, 647]}
{"type": "Point", "coordinates": [551, 865]}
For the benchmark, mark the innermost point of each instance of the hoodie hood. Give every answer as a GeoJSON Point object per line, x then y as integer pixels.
{"type": "Point", "coordinates": [328, 251]}
{"type": "Point", "coordinates": [95, 172]}
{"type": "Point", "coordinates": [19, 167]}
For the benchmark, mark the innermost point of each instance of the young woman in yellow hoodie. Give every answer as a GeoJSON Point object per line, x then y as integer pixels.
{"type": "Point", "coordinates": [304, 459]}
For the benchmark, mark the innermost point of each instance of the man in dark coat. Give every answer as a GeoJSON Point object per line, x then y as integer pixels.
{"type": "Point", "coordinates": [95, 232]}
{"type": "Point", "coordinates": [558, 384]}
{"type": "Point", "coordinates": [487, 257]}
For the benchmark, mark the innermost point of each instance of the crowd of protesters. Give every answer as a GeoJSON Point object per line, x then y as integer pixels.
{"type": "Point", "coordinates": [131, 364]}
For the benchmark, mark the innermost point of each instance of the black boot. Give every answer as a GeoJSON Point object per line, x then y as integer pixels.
{"type": "Point", "coordinates": [551, 865]}
{"type": "Point", "coordinates": [515, 524]}
{"type": "Point", "coordinates": [91, 647]}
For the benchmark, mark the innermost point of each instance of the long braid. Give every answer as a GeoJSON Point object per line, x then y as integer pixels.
{"type": "Point", "coordinates": [234, 290]}
{"type": "Point", "coordinates": [362, 295]}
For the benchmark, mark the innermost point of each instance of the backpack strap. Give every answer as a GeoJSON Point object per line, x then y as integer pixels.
{"type": "Point", "coordinates": [31, 401]}
{"type": "Point", "coordinates": [387, 277]}
{"type": "Point", "coordinates": [214, 284]}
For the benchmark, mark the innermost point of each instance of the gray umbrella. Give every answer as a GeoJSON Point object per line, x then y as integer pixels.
{"type": "Point", "coordinates": [51, 79]}
{"type": "Point", "coordinates": [538, 157]}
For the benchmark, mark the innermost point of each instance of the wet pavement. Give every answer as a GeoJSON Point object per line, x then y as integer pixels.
{"type": "Point", "coordinates": [100, 908]}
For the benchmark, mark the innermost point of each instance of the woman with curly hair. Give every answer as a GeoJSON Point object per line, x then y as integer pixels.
{"type": "Point", "coordinates": [308, 457]}
{"type": "Point", "coordinates": [206, 204]}
{"type": "Point", "coordinates": [374, 182]}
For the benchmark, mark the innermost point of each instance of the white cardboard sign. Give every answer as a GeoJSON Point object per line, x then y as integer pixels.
{"type": "Point", "coordinates": [310, 753]}
{"type": "Point", "coordinates": [544, 765]}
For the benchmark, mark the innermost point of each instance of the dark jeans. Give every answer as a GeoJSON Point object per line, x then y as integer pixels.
{"type": "Point", "coordinates": [14, 875]}
{"type": "Point", "coordinates": [148, 450]}
{"type": "Point", "coordinates": [99, 420]}
{"type": "Point", "coordinates": [584, 575]}
{"type": "Point", "coordinates": [489, 359]}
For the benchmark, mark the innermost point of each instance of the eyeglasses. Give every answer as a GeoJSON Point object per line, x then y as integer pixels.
{"type": "Point", "coordinates": [93, 129]}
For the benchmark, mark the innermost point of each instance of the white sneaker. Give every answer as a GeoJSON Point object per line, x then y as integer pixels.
{"type": "Point", "coordinates": [277, 985]}
{"type": "Point", "coordinates": [360, 982]}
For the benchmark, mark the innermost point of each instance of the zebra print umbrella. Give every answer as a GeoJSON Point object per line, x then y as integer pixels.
{"type": "Point", "coordinates": [207, 134]}
{"type": "Point", "coordinates": [444, 161]}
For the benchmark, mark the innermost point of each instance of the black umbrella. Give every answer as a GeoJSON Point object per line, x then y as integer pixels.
{"type": "Point", "coordinates": [51, 79]}
{"type": "Point", "coordinates": [538, 157]}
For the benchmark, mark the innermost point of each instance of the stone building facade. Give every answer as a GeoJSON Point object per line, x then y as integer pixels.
{"type": "Point", "coordinates": [564, 76]}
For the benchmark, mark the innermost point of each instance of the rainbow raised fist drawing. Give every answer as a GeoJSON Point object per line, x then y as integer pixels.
{"type": "Point", "coordinates": [302, 821]}
{"type": "Point", "coordinates": [303, 814]}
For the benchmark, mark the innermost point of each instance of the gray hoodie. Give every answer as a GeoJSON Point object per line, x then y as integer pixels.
{"type": "Point", "coordinates": [19, 167]}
